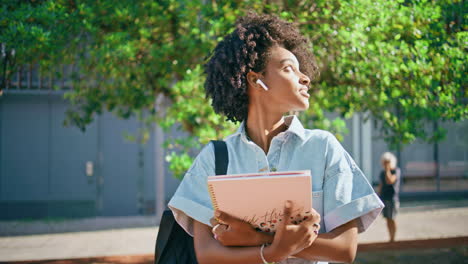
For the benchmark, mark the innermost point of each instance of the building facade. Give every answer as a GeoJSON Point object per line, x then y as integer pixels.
{"type": "Point", "coordinates": [51, 171]}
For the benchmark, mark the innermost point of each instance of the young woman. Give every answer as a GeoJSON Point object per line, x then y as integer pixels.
{"type": "Point", "coordinates": [389, 191]}
{"type": "Point", "coordinates": [256, 75]}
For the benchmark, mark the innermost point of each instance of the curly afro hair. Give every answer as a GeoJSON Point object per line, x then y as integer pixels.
{"type": "Point", "coordinates": [247, 49]}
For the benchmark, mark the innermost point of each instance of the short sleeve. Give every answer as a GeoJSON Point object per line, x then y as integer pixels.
{"type": "Point", "coordinates": [347, 193]}
{"type": "Point", "coordinates": [191, 199]}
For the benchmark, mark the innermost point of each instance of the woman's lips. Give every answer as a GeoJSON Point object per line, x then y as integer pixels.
{"type": "Point", "coordinates": [304, 93]}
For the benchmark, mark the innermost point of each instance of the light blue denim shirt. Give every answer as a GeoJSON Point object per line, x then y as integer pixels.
{"type": "Point", "coordinates": [340, 191]}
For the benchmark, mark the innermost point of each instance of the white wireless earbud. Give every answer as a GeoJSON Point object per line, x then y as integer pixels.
{"type": "Point", "coordinates": [262, 84]}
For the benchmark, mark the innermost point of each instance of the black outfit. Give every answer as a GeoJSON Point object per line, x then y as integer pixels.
{"type": "Point", "coordinates": [390, 194]}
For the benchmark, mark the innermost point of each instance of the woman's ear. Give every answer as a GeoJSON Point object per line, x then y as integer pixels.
{"type": "Point", "coordinates": [252, 78]}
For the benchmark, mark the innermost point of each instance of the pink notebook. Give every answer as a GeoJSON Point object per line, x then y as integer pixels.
{"type": "Point", "coordinates": [259, 198]}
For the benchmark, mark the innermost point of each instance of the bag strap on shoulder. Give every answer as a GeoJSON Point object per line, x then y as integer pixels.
{"type": "Point", "coordinates": [169, 228]}
{"type": "Point", "coordinates": [167, 222]}
{"type": "Point", "coordinates": [221, 157]}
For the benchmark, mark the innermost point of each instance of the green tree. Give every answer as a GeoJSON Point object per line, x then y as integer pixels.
{"type": "Point", "coordinates": [401, 62]}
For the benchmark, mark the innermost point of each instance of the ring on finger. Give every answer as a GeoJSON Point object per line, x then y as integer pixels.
{"type": "Point", "coordinates": [317, 226]}
{"type": "Point", "coordinates": [219, 227]}
{"type": "Point", "coordinates": [214, 228]}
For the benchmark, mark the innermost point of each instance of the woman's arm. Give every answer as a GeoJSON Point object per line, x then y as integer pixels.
{"type": "Point", "coordinates": [289, 240]}
{"type": "Point", "coordinates": [209, 250]}
{"type": "Point", "coordinates": [339, 245]}
{"type": "Point", "coordinates": [231, 231]}
{"type": "Point", "coordinates": [389, 177]}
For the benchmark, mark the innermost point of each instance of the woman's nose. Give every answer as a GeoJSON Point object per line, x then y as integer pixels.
{"type": "Point", "coordinates": [304, 80]}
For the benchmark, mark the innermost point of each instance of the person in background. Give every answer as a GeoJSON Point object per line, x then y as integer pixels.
{"type": "Point", "coordinates": [389, 191]}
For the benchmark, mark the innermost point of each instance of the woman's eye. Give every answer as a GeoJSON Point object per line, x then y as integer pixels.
{"type": "Point", "coordinates": [288, 68]}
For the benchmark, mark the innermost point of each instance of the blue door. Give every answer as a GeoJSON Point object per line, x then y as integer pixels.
{"type": "Point", "coordinates": [43, 163]}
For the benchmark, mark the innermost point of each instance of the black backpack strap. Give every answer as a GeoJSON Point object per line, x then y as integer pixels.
{"type": "Point", "coordinates": [221, 157]}
{"type": "Point", "coordinates": [173, 244]}
{"type": "Point", "coordinates": [165, 229]}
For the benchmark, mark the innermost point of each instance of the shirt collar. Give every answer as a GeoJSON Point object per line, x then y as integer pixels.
{"type": "Point", "coordinates": [293, 123]}
{"type": "Point", "coordinates": [295, 126]}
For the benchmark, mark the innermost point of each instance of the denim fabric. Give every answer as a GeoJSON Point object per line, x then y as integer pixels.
{"type": "Point", "coordinates": [340, 191]}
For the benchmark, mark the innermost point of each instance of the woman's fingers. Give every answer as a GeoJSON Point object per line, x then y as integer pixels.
{"type": "Point", "coordinates": [213, 221]}
{"type": "Point", "coordinates": [315, 216]}
{"type": "Point", "coordinates": [292, 238]}
{"type": "Point", "coordinates": [287, 211]}
{"type": "Point", "coordinates": [313, 222]}
{"type": "Point", "coordinates": [227, 219]}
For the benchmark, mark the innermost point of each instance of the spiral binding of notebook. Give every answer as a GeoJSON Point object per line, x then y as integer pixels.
{"type": "Point", "coordinates": [213, 197]}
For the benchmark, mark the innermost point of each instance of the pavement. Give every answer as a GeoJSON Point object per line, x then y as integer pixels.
{"type": "Point", "coordinates": [443, 221]}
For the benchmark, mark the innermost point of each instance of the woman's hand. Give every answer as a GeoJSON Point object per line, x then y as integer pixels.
{"type": "Point", "coordinates": [291, 239]}
{"type": "Point", "coordinates": [235, 232]}
{"type": "Point", "coordinates": [386, 165]}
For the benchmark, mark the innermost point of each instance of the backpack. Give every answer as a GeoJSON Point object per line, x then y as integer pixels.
{"type": "Point", "coordinates": [173, 244]}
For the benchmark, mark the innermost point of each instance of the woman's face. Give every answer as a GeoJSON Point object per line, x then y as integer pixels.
{"type": "Point", "coordinates": [386, 163]}
{"type": "Point", "coordinates": [287, 85]}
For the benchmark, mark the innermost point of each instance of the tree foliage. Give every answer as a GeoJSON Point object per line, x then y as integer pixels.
{"type": "Point", "coordinates": [403, 63]}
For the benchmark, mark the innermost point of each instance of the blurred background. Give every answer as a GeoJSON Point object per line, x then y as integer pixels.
{"type": "Point", "coordinates": [102, 107]}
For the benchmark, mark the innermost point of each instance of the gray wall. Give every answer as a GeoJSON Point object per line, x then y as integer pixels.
{"type": "Point", "coordinates": [42, 163]}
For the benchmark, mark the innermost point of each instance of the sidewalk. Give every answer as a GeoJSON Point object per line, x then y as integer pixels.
{"type": "Point", "coordinates": [415, 223]}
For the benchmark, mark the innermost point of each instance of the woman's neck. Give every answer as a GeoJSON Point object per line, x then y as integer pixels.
{"type": "Point", "coordinates": [262, 127]}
